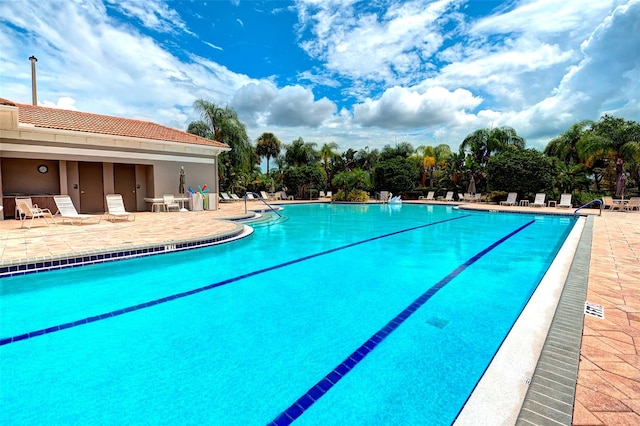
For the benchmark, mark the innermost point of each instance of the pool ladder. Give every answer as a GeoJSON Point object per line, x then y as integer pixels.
{"type": "Point", "coordinates": [575, 213]}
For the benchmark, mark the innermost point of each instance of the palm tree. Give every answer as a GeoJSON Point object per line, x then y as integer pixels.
{"type": "Point", "coordinates": [613, 137]}
{"type": "Point", "coordinates": [432, 158]}
{"type": "Point", "coordinates": [327, 153]}
{"type": "Point", "coordinates": [565, 146]}
{"type": "Point", "coordinates": [267, 145]}
{"type": "Point", "coordinates": [484, 142]}
{"type": "Point", "coordinates": [301, 153]}
{"type": "Point", "coordinates": [226, 127]}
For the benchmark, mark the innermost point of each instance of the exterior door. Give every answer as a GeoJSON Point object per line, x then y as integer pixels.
{"type": "Point", "coordinates": [124, 176]}
{"type": "Point", "coordinates": [91, 188]}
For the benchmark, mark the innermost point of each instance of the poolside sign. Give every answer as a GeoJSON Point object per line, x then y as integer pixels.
{"type": "Point", "coordinates": [594, 310]}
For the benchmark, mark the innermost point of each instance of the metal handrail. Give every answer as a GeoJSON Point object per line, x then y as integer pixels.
{"type": "Point", "coordinates": [588, 204]}
{"type": "Point", "coordinates": [259, 197]}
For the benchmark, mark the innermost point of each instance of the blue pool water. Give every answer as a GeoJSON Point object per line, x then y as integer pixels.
{"type": "Point", "coordinates": [368, 314]}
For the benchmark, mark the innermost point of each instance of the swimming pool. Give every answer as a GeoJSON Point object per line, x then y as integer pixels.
{"type": "Point", "coordinates": [368, 314]}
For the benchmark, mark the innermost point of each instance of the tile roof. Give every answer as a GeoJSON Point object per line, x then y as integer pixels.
{"type": "Point", "coordinates": [61, 119]}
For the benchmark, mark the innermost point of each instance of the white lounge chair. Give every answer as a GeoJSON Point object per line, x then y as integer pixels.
{"type": "Point", "coordinates": [539, 201]}
{"type": "Point", "coordinates": [281, 195]}
{"type": "Point", "coordinates": [429, 196]}
{"type": "Point", "coordinates": [68, 211]}
{"type": "Point", "coordinates": [249, 196]}
{"type": "Point", "coordinates": [329, 194]}
{"type": "Point", "coordinates": [449, 196]}
{"type": "Point", "coordinates": [565, 201]}
{"type": "Point", "coordinates": [170, 202]}
{"type": "Point", "coordinates": [511, 199]}
{"type": "Point", "coordinates": [224, 197]}
{"type": "Point", "coordinates": [235, 197]}
{"type": "Point", "coordinates": [115, 208]}
{"type": "Point", "coordinates": [33, 212]}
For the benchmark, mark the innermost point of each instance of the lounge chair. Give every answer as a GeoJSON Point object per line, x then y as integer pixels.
{"type": "Point", "coordinates": [329, 194]}
{"type": "Point", "coordinates": [224, 197]}
{"type": "Point", "coordinates": [511, 199]}
{"type": "Point", "coordinates": [467, 197]}
{"type": "Point", "coordinates": [68, 211]}
{"type": "Point", "coordinates": [170, 202]}
{"type": "Point", "coordinates": [115, 208]}
{"type": "Point", "coordinates": [264, 195]}
{"type": "Point", "coordinates": [249, 196]}
{"type": "Point", "coordinates": [321, 194]}
{"type": "Point", "coordinates": [33, 212]}
{"type": "Point", "coordinates": [429, 196]}
{"type": "Point", "coordinates": [539, 201]}
{"type": "Point", "coordinates": [449, 196]}
{"type": "Point", "coordinates": [633, 204]}
{"type": "Point", "coordinates": [565, 201]}
{"type": "Point", "coordinates": [281, 195]}
{"type": "Point", "coordinates": [19, 214]}
{"type": "Point", "coordinates": [235, 197]}
{"type": "Point", "coordinates": [607, 203]}
{"type": "Point", "coordinates": [477, 198]}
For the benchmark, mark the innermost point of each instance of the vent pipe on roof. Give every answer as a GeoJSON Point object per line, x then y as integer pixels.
{"type": "Point", "coordinates": [34, 92]}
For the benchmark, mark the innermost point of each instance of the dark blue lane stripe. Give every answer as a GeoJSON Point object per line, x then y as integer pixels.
{"type": "Point", "coordinates": [8, 340]}
{"type": "Point", "coordinates": [319, 389]}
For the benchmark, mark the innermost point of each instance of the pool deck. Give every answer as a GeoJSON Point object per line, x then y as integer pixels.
{"type": "Point", "coordinates": [608, 383]}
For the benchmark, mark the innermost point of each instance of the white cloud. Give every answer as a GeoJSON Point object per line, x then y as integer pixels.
{"type": "Point", "coordinates": [64, 102]}
{"type": "Point", "coordinates": [402, 108]}
{"type": "Point", "coordinates": [294, 106]}
{"type": "Point", "coordinates": [389, 46]}
{"type": "Point", "coordinates": [153, 14]}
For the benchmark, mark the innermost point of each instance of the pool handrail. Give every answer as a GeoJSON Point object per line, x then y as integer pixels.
{"type": "Point", "coordinates": [588, 204]}
{"type": "Point", "coordinates": [259, 197]}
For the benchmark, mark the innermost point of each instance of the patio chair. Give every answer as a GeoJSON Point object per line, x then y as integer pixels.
{"type": "Point", "coordinates": [321, 194]}
{"type": "Point", "coordinates": [18, 213]}
{"type": "Point", "coordinates": [449, 196]}
{"type": "Point", "coordinates": [68, 211]}
{"type": "Point", "coordinates": [170, 202]}
{"type": "Point", "coordinates": [33, 212]}
{"type": "Point", "coordinates": [281, 195]}
{"type": "Point", "coordinates": [234, 197]}
{"type": "Point", "coordinates": [633, 204]}
{"type": "Point", "coordinates": [539, 201]}
{"type": "Point", "coordinates": [329, 194]}
{"type": "Point", "coordinates": [429, 196]}
{"type": "Point", "coordinates": [264, 195]}
{"type": "Point", "coordinates": [249, 196]}
{"type": "Point", "coordinates": [224, 197]}
{"type": "Point", "coordinates": [565, 201]}
{"type": "Point", "coordinates": [511, 199]}
{"type": "Point", "coordinates": [115, 208]}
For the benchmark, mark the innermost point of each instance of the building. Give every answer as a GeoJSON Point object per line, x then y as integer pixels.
{"type": "Point", "coordinates": [47, 151]}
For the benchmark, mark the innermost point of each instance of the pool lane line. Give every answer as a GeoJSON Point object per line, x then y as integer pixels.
{"type": "Point", "coordinates": [31, 334]}
{"type": "Point", "coordinates": [296, 409]}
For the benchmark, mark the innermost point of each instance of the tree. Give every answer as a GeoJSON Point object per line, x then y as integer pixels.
{"type": "Point", "coordinates": [395, 174]}
{"type": "Point", "coordinates": [301, 153]}
{"type": "Point", "coordinates": [226, 127]}
{"type": "Point", "coordinates": [432, 158]}
{"type": "Point", "coordinates": [327, 153]}
{"type": "Point", "coordinates": [482, 143]}
{"type": "Point", "coordinates": [615, 138]}
{"type": "Point", "coordinates": [525, 171]}
{"type": "Point", "coordinates": [303, 178]}
{"type": "Point", "coordinates": [565, 146]}
{"type": "Point", "coordinates": [267, 145]}
{"type": "Point", "coordinates": [403, 149]}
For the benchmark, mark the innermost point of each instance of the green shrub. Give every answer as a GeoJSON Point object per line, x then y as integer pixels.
{"type": "Point", "coordinates": [355, 195]}
{"type": "Point", "coordinates": [581, 198]}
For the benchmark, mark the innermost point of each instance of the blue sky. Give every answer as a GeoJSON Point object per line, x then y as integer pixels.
{"type": "Point", "coordinates": [357, 73]}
